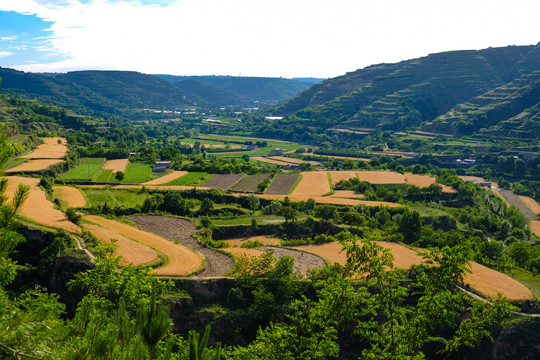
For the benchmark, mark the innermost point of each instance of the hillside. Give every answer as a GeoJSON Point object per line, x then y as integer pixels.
{"type": "Point", "coordinates": [213, 95]}
{"type": "Point", "coordinates": [410, 93]}
{"type": "Point", "coordinates": [260, 89]}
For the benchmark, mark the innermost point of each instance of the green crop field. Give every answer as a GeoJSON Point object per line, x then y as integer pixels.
{"type": "Point", "coordinates": [186, 179]}
{"type": "Point", "coordinates": [104, 176]}
{"type": "Point", "coordinates": [138, 173]}
{"type": "Point", "coordinates": [116, 197]}
{"type": "Point", "coordinates": [86, 171]}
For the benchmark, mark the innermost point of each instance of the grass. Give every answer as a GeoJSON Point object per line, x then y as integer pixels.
{"type": "Point", "coordinates": [86, 171]}
{"type": "Point", "coordinates": [186, 179]}
{"type": "Point", "coordinates": [528, 279]}
{"type": "Point", "coordinates": [246, 220]}
{"type": "Point", "coordinates": [137, 173]}
{"type": "Point", "coordinates": [104, 176]}
{"type": "Point", "coordinates": [116, 197]}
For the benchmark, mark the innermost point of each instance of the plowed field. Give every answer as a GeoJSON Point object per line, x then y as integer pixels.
{"type": "Point", "coordinates": [282, 184]}
{"type": "Point", "coordinates": [223, 181]}
{"type": "Point", "coordinates": [180, 260]}
{"type": "Point", "coordinates": [264, 239]}
{"type": "Point", "coordinates": [37, 208]}
{"type": "Point", "coordinates": [239, 252]}
{"type": "Point", "coordinates": [34, 165]}
{"type": "Point", "coordinates": [70, 195]}
{"type": "Point", "coordinates": [131, 251]}
{"type": "Point", "coordinates": [302, 261]}
{"type": "Point", "coordinates": [269, 161]}
{"type": "Point", "coordinates": [166, 178]}
{"type": "Point", "coordinates": [49, 150]}
{"type": "Point", "coordinates": [116, 165]}
{"type": "Point", "coordinates": [312, 184]}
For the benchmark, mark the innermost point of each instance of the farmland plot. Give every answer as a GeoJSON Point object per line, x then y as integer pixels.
{"type": "Point", "coordinates": [282, 184]}
{"type": "Point", "coordinates": [37, 208]}
{"type": "Point", "coordinates": [166, 178]}
{"type": "Point", "coordinates": [70, 195]}
{"type": "Point", "coordinates": [137, 173]}
{"type": "Point", "coordinates": [51, 149]}
{"type": "Point", "coordinates": [381, 177]}
{"type": "Point", "coordinates": [313, 184]}
{"type": "Point", "coordinates": [223, 181]}
{"type": "Point", "coordinates": [337, 176]}
{"type": "Point", "coordinates": [249, 183]}
{"type": "Point", "coordinates": [34, 165]}
{"type": "Point", "coordinates": [181, 261]}
{"type": "Point", "coordinates": [116, 165]}
{"type": "Point", "coordinates": [86, 171]}
{"type": "Point", "coordinates": [530, 203]}
{"type": "Point", "coordinates": [269, 160]}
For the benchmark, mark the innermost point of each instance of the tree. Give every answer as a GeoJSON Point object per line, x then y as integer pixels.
{"type": "Point", "coordinates": [354, 218]}
{"type": "Point", "coordinates": [290, 214]}
{"type": "Point", "coordinates": [206, 208]}
{"type": "Point", "coordinates": [410, 224]}
{"type": "Point", "coordinates": [120, 176]}
{"type": "Point", "coordinates": [253, 202]}
{"type": "Point", "coordinates": [326, 212]}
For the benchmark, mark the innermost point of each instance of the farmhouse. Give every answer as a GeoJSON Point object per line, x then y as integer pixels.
{"type": "Point", "coordinates": [166, 163]}
{"type": "Point", "coordinates": [277, 151]}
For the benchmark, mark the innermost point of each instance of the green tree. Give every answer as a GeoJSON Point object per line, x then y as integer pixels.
{"type": "Point", "coordinates": [410, 224]}
{"type": "Point", "coordinates": [290, 214]}
{"type": "Point", "coordinates": [326, 212]}
{"type": "Point", "coordinates": [253, 202]}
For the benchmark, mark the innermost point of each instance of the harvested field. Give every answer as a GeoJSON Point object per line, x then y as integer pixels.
{"type": "Point", "coordinates": [269, 161]}
{"type": "Point", "coordinates": [70, 195]}
{"type": "Point", "coordinates": [287, 159]}
{"type": "Point", "coordinates": [337, 176]}
{"type": "Point", "coordinates": [37, 208]}
{"type": "Point", "coordinates": [282, 184]}
{"type": "Point", "coordinates": [490, 282]}
{"type": "Point", "coordinates": [530, 203]}
{"type": "Point", "coordinates": [249, 183]}
{"type": "Point", "coordinates": [313, 184]}
{"type": "Point", "coordinates": [329, 251]}
{"type": "Point", "coordinates": [420, 180]}
{"type": "Point", "coordinates": [51, 149]}
{"type": "Point", "coordinates": [116, 165]}
{"type": "Point", "coordinates": [223, 181]}
{"type": "Point", "coordinates": [176, 229]}
{"type": "Point", "coordinates": [166, 178]}
{"type": "Point", "coordinates": [131, 251]}
{"type": "Point", "coordinates": [381, 177]}
{"type": "Point", "coordinates": [535, 227]}
{"type": "Point", "coordinates": [264, 239]}
{"type": "Point", "coordinates": [181, 261]}
{"type": "Point", "coordinates": [34, 165]}
{"type": "Point", "coordinates": [302, 261]}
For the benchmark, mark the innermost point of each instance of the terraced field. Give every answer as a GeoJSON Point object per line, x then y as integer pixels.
{"type": "Point", "coordinates": [223, 181]}
{"type": "Point", "coordinates": [69, 195]}
{"type": "Point", "coordinates": [249, 183]}
{"type": "Point", "coordinates": [282, 184]}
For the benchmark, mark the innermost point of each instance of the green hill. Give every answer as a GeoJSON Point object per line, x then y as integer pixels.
{"type": "Point", "coordinates": [412, 93]}
{"type": "Point", "coordinates": [213, 95]}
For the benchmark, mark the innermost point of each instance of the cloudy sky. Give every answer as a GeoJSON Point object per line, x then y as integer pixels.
{"type": "Point", "coordinates": [289, 38]}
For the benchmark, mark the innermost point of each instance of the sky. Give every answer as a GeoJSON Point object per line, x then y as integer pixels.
{"type": "Point", "coordinates": [275, 38]}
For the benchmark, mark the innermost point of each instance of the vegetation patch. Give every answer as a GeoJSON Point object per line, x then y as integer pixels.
{"type": "Point", "coordinates": [85, 171]}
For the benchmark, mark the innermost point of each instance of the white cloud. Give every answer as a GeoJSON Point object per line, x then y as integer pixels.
{"type": "Point", "coordinates": [4, 38]}
{"type": "Point", "coordinates": [5, 53]}
{"type": "Point", "coordinates": [273, 38]}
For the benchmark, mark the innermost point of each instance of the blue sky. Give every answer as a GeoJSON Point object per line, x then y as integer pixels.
{"type": "Point", "coordinates": [320, 38]}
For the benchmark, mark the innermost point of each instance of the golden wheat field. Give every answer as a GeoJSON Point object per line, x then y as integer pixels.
{"type": "Point", "coordinates": [70, 195]}
{"type": "Point", "coordinates": [535, 227]}
{"type": "Point", "coordinates": [313, 183]}
{"type": "Point", "coordinates": [181, 261]}
{"type": "Point", "coordinates": [166, 178]}
{"type": "Point", "coordinates": [264, 239]}
{"type": "Point", "coordinates": [34, 165]}
{"type": "Point", "coordinates": [131, 251]}
{"type": "Point", "coordinates": [50, 149]}
{"type": "Point", "coordinates": [530, 203]}
{"type": "Point", "coordinates": [381, 177]}
{"type": "Point", "coordinates": [37, 208]}
{"type": "Point", "coordinates": [116, 165]}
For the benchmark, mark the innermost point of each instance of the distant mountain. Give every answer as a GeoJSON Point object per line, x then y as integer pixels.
{"type": "Point", "coordinates": [259, 89]}
{"type": "Point", "coordinates": [413, 93]}
{"type": "Point", "coordinates": [213, 95]}
{"type": "Point", "coordinates": [98, 92]}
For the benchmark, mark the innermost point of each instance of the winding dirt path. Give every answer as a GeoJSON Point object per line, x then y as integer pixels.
{"type": "Point", "coordinates": [175, 229]}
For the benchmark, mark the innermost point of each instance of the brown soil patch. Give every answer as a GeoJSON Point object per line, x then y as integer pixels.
{"type": "Point", "coordinates": [420, 180]}
{"type": "Point", "coordinates": [490, 282]}
{"type": "Point", "coordinates": [49, 150]}
{"type": "Point", "coordinates": [131, 251]}
{"type": "Point", "coordinates": [303, 261]}
{"type": "Point", "coordinates": [381, 177]}
{"type": "Point", "coordinates": [37, 208]}
{"type": "Point", "coordinates": [282, 184]}
{"type": "Point", "coordinates": [337, 176]}
{"type": "Point", "coordinates": [312, 184]}
{"type": "Point", "coordinates": [265, 239]}
{"type": "Point", "coordinates": [70, 195]}
{"type": "Point", "coordinates": [223, 181]}
{"type": "Point", "coordinates": [166, 178]}
{"type": "Point", "coordinates": [294, 161]}
{"type": "Point", "coordinates": [329, 251]}
{"type": "Point", "coordinates": [530, 203]}
{"type": "Point", "coordinates": [34, 165]}
{"type": "Point", "coordinates": [116, 165]}
{"type": "Point", "coordinates": [180, 260]}
{"type": "Point", "coordinates": [535, 227]}
{"type": "Point", "coordinates": [176, 229]}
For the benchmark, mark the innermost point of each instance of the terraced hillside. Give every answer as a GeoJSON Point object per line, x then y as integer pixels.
{"type": "Point", "coordinates": [409, 93]}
